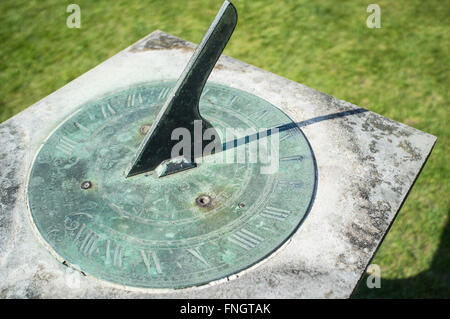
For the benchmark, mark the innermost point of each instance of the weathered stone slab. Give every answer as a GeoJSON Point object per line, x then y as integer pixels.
{"type": "Point", "coordinates": [366, 166]}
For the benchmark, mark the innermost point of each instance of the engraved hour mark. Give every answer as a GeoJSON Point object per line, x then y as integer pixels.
{"type": "Point", "coordinates": [88, 243]}
{"type": "Point", "coordinates": [79, 232]}
{"type": "Point", "coordinates": [81, 127]}
{"type": "Point", "coordinates": [289, 133]}
{"type": "Point", "coordinates": [295, 184]}
{"type": "Point", "coordinates": [245, 239]}
{"type": "Point", "coordinates": [146, 258]}
{"type": "Point", "coordinates": [131, 101]}
{"type": "Point", "coordinates": [164, 93]}
{"type": "Point", "coordinates": [275, 213]}
{"type": "Point", "coordinates": [233, 99]}
{"type": "Point", "coordinates": [107, 110]}
{"type": "Point", "coordinates": [196, 253]}
{"type": "Point", "coordinates": [66, 145]}
{"type": "Point", "coordinates": [138, 212]}
{"type": "Point", "coordinates": [114, 258]}
{"type": "Point", "coordinates": [292, 158]}
{"type": "Point", "coordinates": [259, 115]}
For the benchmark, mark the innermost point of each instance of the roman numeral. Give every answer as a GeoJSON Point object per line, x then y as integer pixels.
{"type": "Point", "coordinates": [130, 100]}
{"type": "Point", "coordinates": [88, 243]}
{"type": "Point", "coordinates": [81, 127]}
{"type": "Point", "coordinates": [245, 239]}
{"type": "Point", "coordinates": [164, 93]}
{"type": "Point", "coordinates": [196, 253]}
{"type": "Point", "coordinates": [275, 213]}
{"type": "Point", "coordinates": [148, 258]}
{"type": "Point", "coordinates": [133, 98]}
{"type": "Point", "coordinates": [114, 258]}
{"type": "Point", "coordinates": [107, 110]}
{"type": "Point", "coordinates": [138, 212]}
{"type": "Point", "coordinates": [66, 145]}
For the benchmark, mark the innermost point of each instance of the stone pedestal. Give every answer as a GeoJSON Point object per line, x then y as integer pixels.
{"type": "Point", "coordinates": [366, 166]}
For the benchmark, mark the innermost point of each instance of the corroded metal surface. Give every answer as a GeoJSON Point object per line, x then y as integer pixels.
{"type": "Point", "coordinates": [182, 230]}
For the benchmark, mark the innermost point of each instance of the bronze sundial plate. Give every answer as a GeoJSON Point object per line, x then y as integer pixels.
{"type": "Point", "coordinates": [177, 231]}
{"type": "Point", "coordinates": [365, 165]}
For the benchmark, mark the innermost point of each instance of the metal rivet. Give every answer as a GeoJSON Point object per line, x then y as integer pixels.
{"type": "Point", "coordinates": [143, 130]}
{"type": "Point", "coordinates": [241, 205]}
{"type": "Point", "coordinates": [203, 200]}
{"type": "Point", "coordinates": [86, 185]}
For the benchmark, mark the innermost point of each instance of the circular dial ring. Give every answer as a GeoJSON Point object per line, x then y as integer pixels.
{"type": "Point", "coordinates": [182, 230]}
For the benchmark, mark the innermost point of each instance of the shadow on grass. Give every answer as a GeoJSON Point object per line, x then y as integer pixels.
{"type": "Point", "coordinates": [432, 283]}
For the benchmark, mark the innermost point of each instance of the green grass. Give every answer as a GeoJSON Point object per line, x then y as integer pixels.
{"type": "Point", "coordinates": [400, 71]}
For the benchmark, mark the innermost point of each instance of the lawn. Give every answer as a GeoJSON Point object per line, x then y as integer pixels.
{"type": "Point", "coordinates": [400, 71]}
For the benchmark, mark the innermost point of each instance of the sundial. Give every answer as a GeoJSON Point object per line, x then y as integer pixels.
{"type": "Point", "coordinates": [170, 170]}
